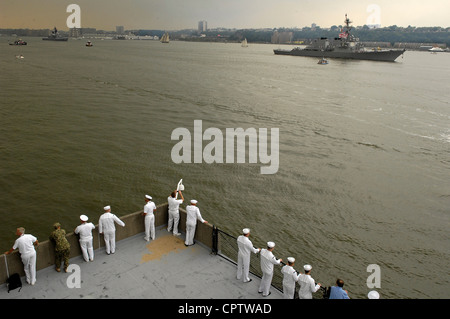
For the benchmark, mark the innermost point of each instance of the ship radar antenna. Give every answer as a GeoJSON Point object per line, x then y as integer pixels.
{"type": "Point", "coordinates": [347, 24]}
{"type": "Point", "coordinates": [347, 20]}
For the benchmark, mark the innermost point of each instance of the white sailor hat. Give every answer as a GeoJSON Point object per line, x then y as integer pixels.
{"type": "Point", "coordinates": [270, 244]}
{"type": "Point", "coordinates": [307, 267]}
{"type": "Point", "coordinates": [107, 207]}
{"type": "Point", "coordinates": [291, 259]}
{"type": "Point", "coordinates": [245, 231]}
{"type": "Point", "coordinates": [84, 218]}
{"type": "Point", "coordinates": [148, 197]}
{"type": "Point", "coordinates": [193, 201]}
{"type": "Point", "coordinates": [373, 295]}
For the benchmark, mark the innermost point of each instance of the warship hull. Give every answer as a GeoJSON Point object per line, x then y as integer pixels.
{"type": "Point", "coordinates": [55, 39]}
{"type": "Point", "coordinates": [385, 56]}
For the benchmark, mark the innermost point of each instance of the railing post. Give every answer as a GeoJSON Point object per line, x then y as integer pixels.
{"type": "Point", "coordinates": [215, 240]}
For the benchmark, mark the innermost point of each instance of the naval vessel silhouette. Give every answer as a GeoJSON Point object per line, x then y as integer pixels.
{"type": "Point", "coordinates": [346, 46]}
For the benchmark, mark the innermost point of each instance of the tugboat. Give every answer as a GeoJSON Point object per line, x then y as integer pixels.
{"type": "Point", "coordinates": [323, 61]}
{"type": "Point", "coordinates": [55, 36]}
{"type": "Point", "coordinates": [346, 46]}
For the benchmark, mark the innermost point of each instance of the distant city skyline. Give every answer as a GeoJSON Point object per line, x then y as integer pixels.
{"type": "Point", "coordinates": [239, 14]}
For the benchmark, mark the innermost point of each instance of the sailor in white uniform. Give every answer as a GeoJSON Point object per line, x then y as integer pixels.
{"type": "Point", "coordinates": [108, 229]}
{"type": "Point", "coordinates": [307, 284]}
{"type": "Point", "coordinates": [245, 249]}
{"type": "Point", "coordinates": [267, 262]}
{"type": "Point", "coordinates": [290, 277]}
{"type": "Point", "coordinates": [149, 220]}
{"type": "Point", "coordinates": [193, 213]}
{"type": "Point", "coordinates": [85, 232]}
{"type": "Point", "coordinates": [26, 243]}
{"type": "Point", "coordinates": [174, 213]}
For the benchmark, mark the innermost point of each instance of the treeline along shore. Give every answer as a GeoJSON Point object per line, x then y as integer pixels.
{"type": "Point", "coordinates": [393, 34]}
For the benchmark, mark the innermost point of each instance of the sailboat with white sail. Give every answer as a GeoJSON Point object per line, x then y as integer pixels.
{"type": "Point", "coordinates": [165, 38]}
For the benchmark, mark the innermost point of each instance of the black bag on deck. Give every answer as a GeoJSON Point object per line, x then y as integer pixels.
{"type": "Point", "coordinates": [14, 282]}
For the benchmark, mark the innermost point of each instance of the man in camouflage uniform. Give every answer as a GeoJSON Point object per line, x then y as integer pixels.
{"type": "Point", "coordinates": [62, 247]}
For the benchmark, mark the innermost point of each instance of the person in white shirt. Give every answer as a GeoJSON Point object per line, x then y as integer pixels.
{"type": "Point", "coordinates": [267, 262]}
{"type": "Point", "coordinates": [26, 244]}
{"type": "Point", "coordinates": [108, 229]}
{"type": "Point", "coordinates": [193, 213]}
{"type": "Point", "coordinates": [245, 249]}
{"type": "Point", "coordinates": [290, 277]}
{"type": "Point", "coordinates": [149, 219]}
{"type": "Point", "coordinates": [85, 232]}
{"type": "Point", "coordinates": [307, 284]}
{"type": "Point", "coordinates": [174, 212]}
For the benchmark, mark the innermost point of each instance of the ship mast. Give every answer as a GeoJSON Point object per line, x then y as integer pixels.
{"type": "Point", "coordinates": [347, 24]}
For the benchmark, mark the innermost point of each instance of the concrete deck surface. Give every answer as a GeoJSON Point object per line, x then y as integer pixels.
{"type": "Point", "coordinates": [160, 269]}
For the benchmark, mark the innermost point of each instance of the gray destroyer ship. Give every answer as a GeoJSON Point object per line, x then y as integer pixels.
{"type": "Point", "coordinates": [346, 46]}
{"type": "Point", "coordinates": [55, 36]}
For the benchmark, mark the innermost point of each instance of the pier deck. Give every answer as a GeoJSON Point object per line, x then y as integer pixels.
{"type": "Point", "coordinates": [160, 269]}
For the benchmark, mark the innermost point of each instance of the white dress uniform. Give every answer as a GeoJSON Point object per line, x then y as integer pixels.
{"type": "Point", "coordinates": [307, 287]}
{"type": "Point", "coordinates": [149, 220]}
{"type": "Point", "coordinates": [174, 214]}
{"type": "Point", "coordinates": [193, 213]}
{"type": "Point", "coordinates": [245, 249]}
{"type": "Point", "coordinates": [107, 227]}
{"type": "Point", "coordinates": [85, 232]}
{"type": "Point", "coordinates": [290, 277]}
{"type": "Point", "coordinates": [267, 262]}
{"type": "Point", "coordinates": [28, 256]}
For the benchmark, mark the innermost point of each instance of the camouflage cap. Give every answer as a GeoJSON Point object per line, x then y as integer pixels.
{"type": "Point", "coordinates": [56, 225]}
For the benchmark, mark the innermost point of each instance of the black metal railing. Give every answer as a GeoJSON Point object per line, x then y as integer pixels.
{"type": "Point", "coordinates": [225, 246]}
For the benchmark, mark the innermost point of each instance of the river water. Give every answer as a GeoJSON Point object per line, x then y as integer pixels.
{"type": "Point", "coordinates": [364, 150]}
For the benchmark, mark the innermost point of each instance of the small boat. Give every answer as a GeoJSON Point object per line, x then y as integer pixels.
{"type": "Point", "coordinates": [18, 42]}
{"type": "Point", "coordinates": [165, 38]}
{"type": "Point", "coordinates": [323, 61]}
{"type": "Point", "coordinates": [89, 44]}
{"type": "Point", "coordinates": [20, 56]}
{"type": "Point", "coordinates": [436, 49]}
{"type": "Point", "coordinates": [244, 43]}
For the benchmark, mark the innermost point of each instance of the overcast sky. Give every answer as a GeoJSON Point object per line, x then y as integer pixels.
{"type": "Point", "coordinates": [185, 14]}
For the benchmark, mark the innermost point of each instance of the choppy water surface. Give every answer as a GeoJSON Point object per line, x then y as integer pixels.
{"type": "Point", "coordinates": [364, 154]}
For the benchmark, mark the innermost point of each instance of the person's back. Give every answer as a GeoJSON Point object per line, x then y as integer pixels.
{"type": "Point", "coordinates": [193, 213]}
{"type": "Point", "coordinates": [85, 230]}
{"type": "Point", "coordinates": [337, 292]}
{"type": "Point", "coordinates": [245, 245]}
{"type": "Point", "coordinates": [267, 260]}
{"type": "Point", "coordinates": [174, 204]}
{"type": "Point", "coordinates": [25, 244]}
{"type": "Point", "coordinates": [306, 283]}
{"type": "Point", "coordinates": [58, 236]}
{"type": "Point", "coordinates": [106, 222]}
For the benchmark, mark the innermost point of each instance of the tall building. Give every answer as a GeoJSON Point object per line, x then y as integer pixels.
{"type": "Point", "coordinates": [75, 32]}
{"type": "Point", "coordinates": [202, 26]}
{"type": "Point", "coordinates": [120, 29]}
{"type": "Point", "coordinates": [282, 37]}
